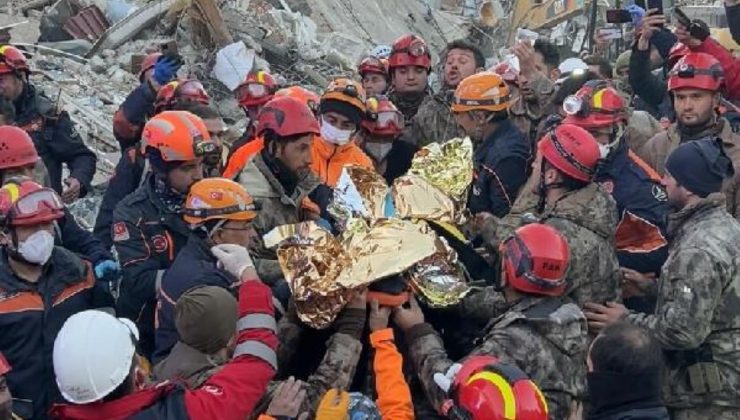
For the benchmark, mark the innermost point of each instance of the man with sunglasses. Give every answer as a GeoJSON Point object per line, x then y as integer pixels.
{"type": "Point", "coordinates": [148, 231]}
{"type": "Point", "coordinates": [435, 123]}
{"type": "Point", "coordinates": [41, 286]}
{"type": "Point", "coordinates": [52, 130]}
{"type": "Point", "coordinates": [540, 331]}
{"type": "Point", "coordinates": [695, 83]}
{"type": "Point", "coordinates": [642, 203]}
{"type": "Point", "coordinates": [156, 71]}
{"type": "Point", "coordinates": [218, 211]}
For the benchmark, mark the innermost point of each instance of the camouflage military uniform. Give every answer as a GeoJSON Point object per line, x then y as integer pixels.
{"type": "Point", "coordinates": [641, 127]}
{"type": "Point", "coordinates": [588, 219]}
{"type": "Point", "coordinates": [434, 122]}
{"type": "Point", "coordinates": [526, 113]}
{"type": "Point", "coordinates": [409, 106]}
{"type": "Point", "coordinates": [544, 337]}
{"type": "Point", "coordinates": [697, 319]}
{"type": "Point", "coordinates": [656, 151]}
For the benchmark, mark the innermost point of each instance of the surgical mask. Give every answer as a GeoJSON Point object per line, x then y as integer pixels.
{"type": "Point", "coordinates": [334, 135]}
{"type": "Point", "coordinates": [378, 150]}
{"type": "Point", "coordinates": [37, 248]}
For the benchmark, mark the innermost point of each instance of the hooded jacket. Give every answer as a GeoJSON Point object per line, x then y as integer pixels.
{"type": "Point", "coordinates": [327, 160]}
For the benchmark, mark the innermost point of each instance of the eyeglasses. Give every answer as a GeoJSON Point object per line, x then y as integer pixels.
{"type": "Point", "coordinates": [37, 202]}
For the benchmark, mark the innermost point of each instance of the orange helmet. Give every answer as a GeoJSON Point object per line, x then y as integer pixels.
{"type": "Point", "coordinates": [346, 90]}
{"type": "Point", "coordinates": [16, 148]}
{"type": "Point", "coordinates": [410, 50]}
{"type": "Point", "coordinates": [371, 64]}
{"type": "Point", "coordinates": [12, 60]}
{"type": "Point", "coordinates": [302, 94]}
{"type": "Point", "coordinates": [486, 389]}
{"type": "Point", "coordinates": [26, 203]}
{"type": "Point", "coordinates": [218, 199]}
{"type": "Point", "coordinates": [149, 62]}
{"type": "Point", "coordinates": [383, 118]}
{"type": "Point", "coordinates": [481, 91]}
{"type": "Point", "coordinates": [287, 116]}
{"type": "Point", "coordinates": [595, 105]}
{"type": "Point", "coordinates": [179, 91]}
{"type": "Point", "coordinates": [178, 136]}
{"type": "Point", "coordinates": [257, 89]}
{"type": "Point", "coordinates": [572, 150]}
{"type": "Point", "coordinates": [535, 259]}
{"type": "Point", "coordinates": [696, 71]}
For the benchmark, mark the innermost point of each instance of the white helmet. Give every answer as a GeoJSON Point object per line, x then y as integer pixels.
{"type": "Point", "coordinates": [572, 64]}
{"type": "Point", "coordinates": [93, 354]}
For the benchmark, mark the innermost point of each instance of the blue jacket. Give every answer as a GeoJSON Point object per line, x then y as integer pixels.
{"type": "Point", "coordinates": [501, 167]}
{"type": "Point", "coordinates": [194, 266]}
{"type": "Point", "coordinates": [31, 315]}
{"type": "Point", "coordinates": [643, 206]}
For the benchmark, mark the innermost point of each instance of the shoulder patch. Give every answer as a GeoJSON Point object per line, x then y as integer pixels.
{"type": "Point", "coordinates": [659, 193]}
{"type": "Point", "coordinates": [120, 232]}
{"type": "Point", "coordinates": [159, 243]}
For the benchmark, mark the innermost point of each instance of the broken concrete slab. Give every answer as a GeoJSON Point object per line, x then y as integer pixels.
{"type": "Point", "coordinates": [131, 25]}
{"type": "Point", "coordinates": [20, 29]}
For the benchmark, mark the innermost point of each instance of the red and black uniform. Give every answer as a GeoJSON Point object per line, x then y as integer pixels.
{"type": "Point", "coordinates": [55, 139]}
{"type": "Point", "coordinates": [31, 315]}
{"type": "Point", "coordinates": [232, 393]}
{"type": "Point", "coordinates": [129, 120]}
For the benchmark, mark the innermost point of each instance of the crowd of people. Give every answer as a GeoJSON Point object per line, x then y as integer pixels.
{"type": "Point", "coordinates": [603, 214]}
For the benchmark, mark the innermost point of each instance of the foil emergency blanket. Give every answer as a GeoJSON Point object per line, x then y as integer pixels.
{"type": "Point", "coordinates": [415, 198]}
{"type": "Point", "coordinates": [439, 280]}
{"type": "Point", "coordinates": [447, 166]}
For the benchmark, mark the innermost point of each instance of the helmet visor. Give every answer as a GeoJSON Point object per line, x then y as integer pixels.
{"type": "Point", "coordinates": [386, 119]}
{"type": "Point", "coordinates": [36, 202]}
{"type": "Point", "coordinates": [194, 90]}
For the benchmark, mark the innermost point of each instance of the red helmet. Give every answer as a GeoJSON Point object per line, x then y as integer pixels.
{"type": "Point", "coordinates": [26, 203]}
{"type": "Point", "coordinates": [287, 116]}
{"type": "Point", "coordinates": [12, 60]}
{"type": "Point", "coordinates": [383, 118]}
{"type": "Point", "coordinates": [486, 389]}
{"type": "Point", "coordinates": [596, 104]}
{"type": "Point", "coordinates": [535, 259]}
{"type": "Point", "coordinates": [257, 89]}
{"type": "Point", "coordinates": [179, 91]}
{"type": "Point", "coordinates": [696, 71]}
{"type": "Point", "coordinates": [677, 52]}
{"type": "Point", "coordinates": [148, 64]}
{"type": "Point", "coordinates": [16, 148]}
{"type": "Point", "coordinates": [302, 94]}
{"type": "Point", "coordinates": [572, 150]}
{"type": "Point", "coordinates": [371, 64]}
{"type": "Point", "coordinates": [410, 50]}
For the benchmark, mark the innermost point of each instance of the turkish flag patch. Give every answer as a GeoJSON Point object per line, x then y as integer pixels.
{"type": "Point", "coordinates": [120, 232]}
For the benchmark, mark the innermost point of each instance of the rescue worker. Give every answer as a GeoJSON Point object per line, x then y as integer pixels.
{"type": "Point", "coordinates": [502, 154]}
{"type": "Point", "coordinates": [239, 157]}
{"type": "Point", "coordinates": [696, 320]}
{"type": "Point", "coordinates": [381, 128]}
{"type": "Point", "coordinates": [42, 285]}
{"type": "Point", "coordinates": [100, 375]}
{"type": "Point", "coordinates": [156, 71]}
{"type": "Point", "coordinates": [6, 400]}
{"type": "Point", "coordinates": [279, 177]}
{"type": "Point", "coordinates": [256, 90]}
{"type": "Point", "coordinates": [51, 129]}
{"type": "Point", "coordinates": [19, 160]}
{"type": "Point", "coordinates": [341, 111]}
{"type": "Point", "coordinates": [374, 74]}
{"type": "Point", "coordinates": [148, 231]}
{"type": "Point", "coordinates": [218, 211]}
{"type": "Point", "coordinates": [641, 200]}
{"type": "Point", "coordinates": [434, 122]}
{"type": "Point", "coordinates": [133, 167]}
{"type": "Point", "coordinates": [561, 193]}
{"type": "Point", "coordinates": [541, 332]}
{"type": "Point", "coordinates": [695, 83]}
{"type": "Point", "coordinates": [409, 66]}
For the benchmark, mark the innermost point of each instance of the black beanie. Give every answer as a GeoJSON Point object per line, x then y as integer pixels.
{"type": "Point", "coordinates": [663, 41]}
{"type": "Point", "coordinates": [700, 166]}
{"type": "Point", "coordinates": [341, 107]}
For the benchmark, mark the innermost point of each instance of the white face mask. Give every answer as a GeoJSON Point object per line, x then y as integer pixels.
{"type": "Point", "coordinates": [604, 149]}
{"type": "Point", "coordinates": [37, 248]}
{"type": "Point", "coordinates": [334, 135]}
{"type": "Point", "coordinates": [378, 151]}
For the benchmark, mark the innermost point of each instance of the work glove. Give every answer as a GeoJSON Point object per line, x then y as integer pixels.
{"type": "Point", "coordinates": [165, 69]}
{"type": "Point", "coordinates": [233, 258]}
{"type": "Point", "coordinates": [107, 270]}
{"type": "Point", "coordinates": [444, 380]}
{"type": "Point", "coordinates": [637, 13]}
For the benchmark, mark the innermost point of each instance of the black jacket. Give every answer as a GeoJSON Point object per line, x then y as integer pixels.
{"type": "Point", "coordinates": [194, 266]}
{"type": "Point", "coordinates": [129, 120]}
{"type": "Point", "coordinates": [147, 238]}
{"type": "Point", "coordinates": [651, 89]}
{"type": "Point", "coordinates": [399, 160]}
{"type": "Point", "coordinates": [733, 21]}
{"type": "Point", "coordinates": [55, 138]}
{"type": "Point", "coordinates": [31, 315]}
{"type": "Point", "coordinates": [502, 164]}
